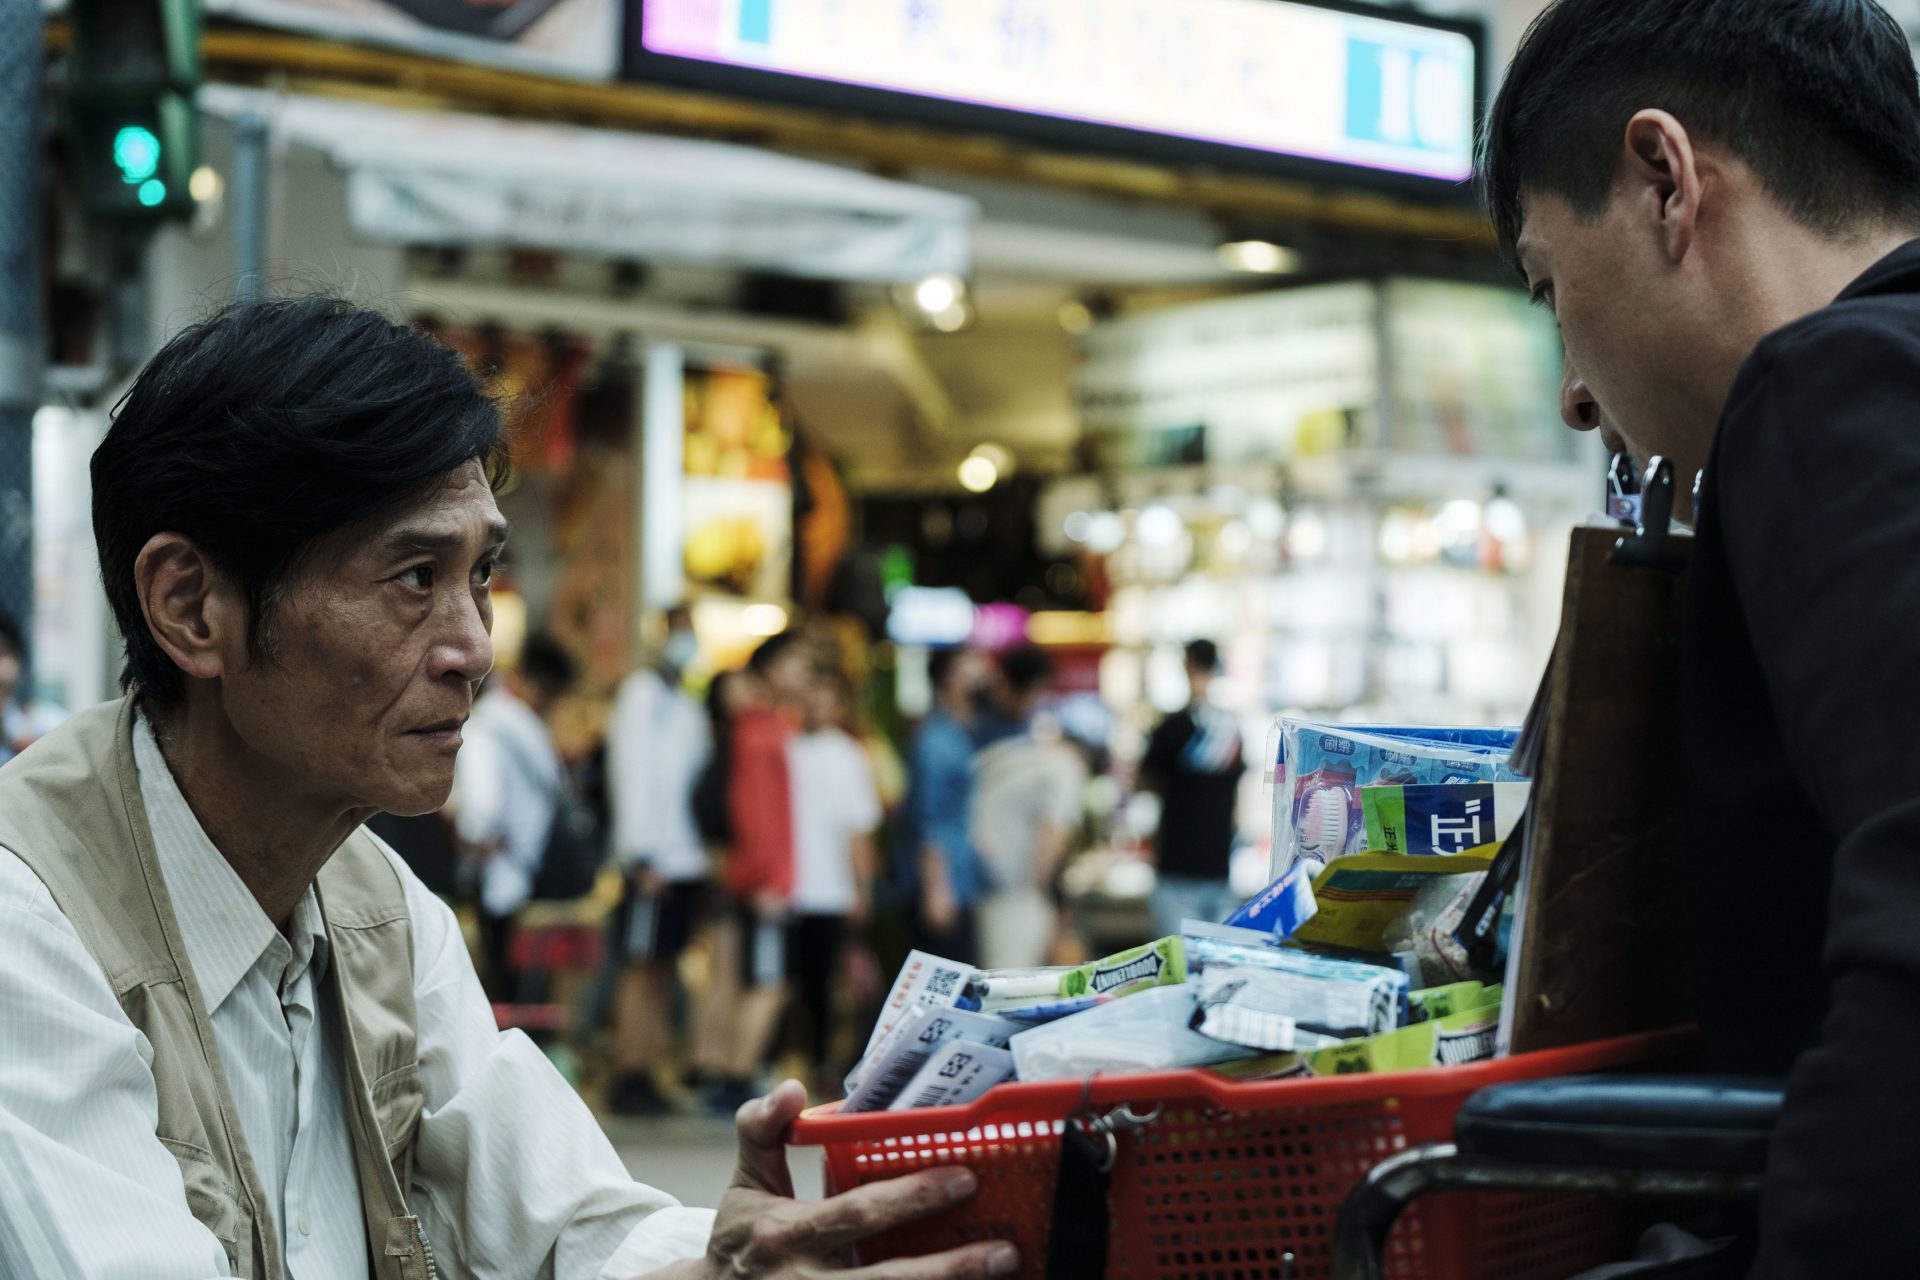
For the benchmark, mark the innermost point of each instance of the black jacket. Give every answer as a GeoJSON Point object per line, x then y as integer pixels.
{"type": "Point", "coordinates": [1800, 724]}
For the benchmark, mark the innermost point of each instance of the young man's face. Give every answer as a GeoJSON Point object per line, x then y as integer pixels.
{"type": "Point", "coordinates": [377, 645]}
{"type": "Point", "coordinates": [1632, 324]}
{"type": "Point", "coordinates": [9, 677]}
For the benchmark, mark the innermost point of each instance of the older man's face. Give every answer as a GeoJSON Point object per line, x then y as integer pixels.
{"type": "Point", "coordinates": [375, 650]}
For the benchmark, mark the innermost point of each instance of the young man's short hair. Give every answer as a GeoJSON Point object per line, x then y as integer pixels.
{"type": "Point", "coordinates": [263, 429]}
{"type": "Point", "coordinates": [1819, 97]}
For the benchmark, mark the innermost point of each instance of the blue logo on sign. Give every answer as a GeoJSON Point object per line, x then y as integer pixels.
{"type": "Point", "coordinates": [1405, 96]}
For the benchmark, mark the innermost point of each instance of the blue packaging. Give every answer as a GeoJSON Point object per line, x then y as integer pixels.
{"type": "Point", "coordinates": [1318, 814]}
{"type": "Point", "coordinates": [1281, 907]}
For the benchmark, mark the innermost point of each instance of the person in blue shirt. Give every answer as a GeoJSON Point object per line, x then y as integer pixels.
{"type": "Point", "coordinates": [942, 872]}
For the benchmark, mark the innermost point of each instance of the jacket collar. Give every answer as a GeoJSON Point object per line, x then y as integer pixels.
{"type": "Point", "coordinates": [1898, 272]}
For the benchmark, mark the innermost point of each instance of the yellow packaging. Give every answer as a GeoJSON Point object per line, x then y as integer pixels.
{"type": "Point", "coordinates": [1364, 898]}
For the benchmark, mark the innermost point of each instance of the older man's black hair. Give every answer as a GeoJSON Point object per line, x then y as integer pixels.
{"type": "Point", "coordinates": [1203, 655]}
{"type": "Point", "coordinates": [1817, 97]}
{"type": "Point", "coordinates": [265, 428]}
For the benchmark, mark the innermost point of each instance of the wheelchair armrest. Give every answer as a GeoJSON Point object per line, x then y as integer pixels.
{"type": "Point", "coordinates": [1706, 1124]}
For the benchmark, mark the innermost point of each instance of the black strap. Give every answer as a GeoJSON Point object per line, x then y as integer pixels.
{"type": "Point", "coordinates": [1077, 1244]}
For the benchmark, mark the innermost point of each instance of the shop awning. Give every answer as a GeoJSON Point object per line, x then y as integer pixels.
{"type": "Point", "coordinates": [438, 178]}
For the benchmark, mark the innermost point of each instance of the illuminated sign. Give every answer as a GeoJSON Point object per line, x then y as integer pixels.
{"type": "Point", "coordinates": [1270, 77]}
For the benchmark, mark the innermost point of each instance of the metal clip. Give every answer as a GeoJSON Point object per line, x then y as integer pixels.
{"type": "Point", "coordinates": [1647, 547]}
{"type": "Point", "coordinates": [1121, 1119]}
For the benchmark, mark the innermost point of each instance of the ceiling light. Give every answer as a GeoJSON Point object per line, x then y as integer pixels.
{"type": "Point", "coordinates": [937, 295]}
{"type": "Point", "coordinates": [1159, 526]}
{"type": "Point", "coordinates": [1260, 257]}
{"type": "Point", "coordinates": [205, 184]}
{"type": "Point", "coordinates": [951, 320]}
{"type": "Point", "coordinates": [998, 454]}
{"type": "Point", "coordinates": [763, 620]}
{"type": "Point", "coordinates": [1105, 533]}
{"type": "Point", "coordinates": [978, 474]}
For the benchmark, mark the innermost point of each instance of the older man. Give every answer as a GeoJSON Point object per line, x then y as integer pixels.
{"type": "Point", "coordinates": [237, 1037]}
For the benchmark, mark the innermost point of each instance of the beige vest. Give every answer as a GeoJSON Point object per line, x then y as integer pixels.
{"type": "Point", "coordinates": [70, 808]}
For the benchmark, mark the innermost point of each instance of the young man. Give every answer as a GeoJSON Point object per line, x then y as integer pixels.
{"type": "Point", "coordinates": [1718, 199]}
{"type": "Point", "coordinates": [1194, 762]}
{"type": "Point", "coordinates": [237, 1037]}
{"type": "Point", "coordinates": [657, 748]}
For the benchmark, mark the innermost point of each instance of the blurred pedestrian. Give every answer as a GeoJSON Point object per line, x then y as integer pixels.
{"type": "Point", "coordinates": [759, 867]}
{"type": "Point", "coordinates": [1194, 762]}
{"type": "Point", "coordinates": [658, 746]}
{"type": "Point", "coordinates": [939, 866]}
{"type": "Point", "coordinates": [509, 787]}
{"type": "Point", "coordinates": [22, 718]}
{"type": "Point", "coordinates": [1029, 795]}
{"type": "Point", "coordinates": [836, 810]}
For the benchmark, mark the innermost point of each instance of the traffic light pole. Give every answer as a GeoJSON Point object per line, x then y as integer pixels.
{"type": "Point", "coordinates": [22, 47]}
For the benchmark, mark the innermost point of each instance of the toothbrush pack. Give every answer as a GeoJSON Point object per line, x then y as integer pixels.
{"type": "Point", "coordinates": [1320, 770]}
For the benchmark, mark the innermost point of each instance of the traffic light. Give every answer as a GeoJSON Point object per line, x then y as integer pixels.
{"type": "Point", "coordinates": [135, 138]}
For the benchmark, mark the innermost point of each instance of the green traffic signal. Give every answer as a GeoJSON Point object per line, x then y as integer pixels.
{"type": "Point", "coordinates": [137, 153]}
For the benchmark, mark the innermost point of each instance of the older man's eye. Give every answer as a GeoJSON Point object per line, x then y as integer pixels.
{"type": "Point", "coordinates": [420, 577]}
{"type": "Point", "coordinates": [1543, 294]}
{"type": "Point", "coordinates": [483, 573]}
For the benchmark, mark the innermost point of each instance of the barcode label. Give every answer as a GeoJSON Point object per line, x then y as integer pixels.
{"type": "Point", "coordinates": [955, 1076]}
{"type": "Point", "coordinates": [918, 1039]}
{"type": "Point", "coordinates": [924, 981]}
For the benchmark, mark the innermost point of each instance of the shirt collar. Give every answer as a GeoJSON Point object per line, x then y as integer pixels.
{"type": "Point", "coordinates": [1898, 272]}
{"type": "Point", "coordinates": [226, 932]}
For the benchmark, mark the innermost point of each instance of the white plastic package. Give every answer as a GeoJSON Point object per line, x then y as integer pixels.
{"type": "Point", "coordinates": [1149, 1031]}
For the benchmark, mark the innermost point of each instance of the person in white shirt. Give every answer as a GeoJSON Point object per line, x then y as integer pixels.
{"type": "Point", "coordinates": [658, 746]}
{"type": "Point", "coordinates": [836, 810]}
{"type": "Point", "coordinates": [237, 1037]}
{"type": "Point", "coordinates": [1029, 794]}
{"type": "Point", "coordinates": [508, 783]}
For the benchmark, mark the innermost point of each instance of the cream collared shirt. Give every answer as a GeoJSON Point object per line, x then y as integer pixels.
{"type": "Point", "coordinates": [513, 1178]}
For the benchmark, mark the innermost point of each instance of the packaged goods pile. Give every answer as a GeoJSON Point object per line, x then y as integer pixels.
{"type": "Point", "coordinates": [1351, 965]}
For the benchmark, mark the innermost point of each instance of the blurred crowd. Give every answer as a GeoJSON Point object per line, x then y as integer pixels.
{"type": "Point", "coordinates": [716, 881]}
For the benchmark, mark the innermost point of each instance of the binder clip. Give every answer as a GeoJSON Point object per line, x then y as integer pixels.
{"type": "Point", "coordinates": [1649, 545]}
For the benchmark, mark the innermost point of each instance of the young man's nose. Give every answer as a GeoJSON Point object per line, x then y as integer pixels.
{"type": "Point", "coordinates": [1578, 408]}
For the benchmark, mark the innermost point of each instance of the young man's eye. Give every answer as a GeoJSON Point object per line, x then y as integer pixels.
{"type": "Point", "coordinates": [420, 577]}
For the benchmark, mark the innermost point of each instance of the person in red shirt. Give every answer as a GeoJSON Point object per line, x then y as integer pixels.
{"type": "Point", "coordinates": [759, 873]}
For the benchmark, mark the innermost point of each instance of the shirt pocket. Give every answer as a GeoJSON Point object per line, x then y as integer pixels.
{"type": "Point", "coordinates": [210, 1196]}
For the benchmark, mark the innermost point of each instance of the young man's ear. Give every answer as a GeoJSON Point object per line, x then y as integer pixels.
{"type": "Point", "coordinates": [1661, 162]}
{"type": "Point", "coordinates": [190, 610]}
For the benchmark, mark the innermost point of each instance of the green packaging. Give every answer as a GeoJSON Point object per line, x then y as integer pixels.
{"type": "Point", "coordinates": [1158, 964]}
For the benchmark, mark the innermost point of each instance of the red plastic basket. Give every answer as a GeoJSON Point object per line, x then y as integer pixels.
{"type": "Point", "coordinates": [1233, 1177]}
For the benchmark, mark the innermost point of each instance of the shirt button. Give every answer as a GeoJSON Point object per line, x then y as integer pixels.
{"type": "Point", "coordinates": [306, 1227]}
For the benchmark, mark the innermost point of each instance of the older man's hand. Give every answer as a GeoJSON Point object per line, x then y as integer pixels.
{"type": "Point", "coordinates": [761, 1231]}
